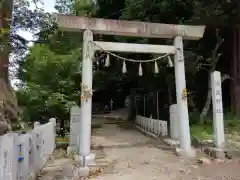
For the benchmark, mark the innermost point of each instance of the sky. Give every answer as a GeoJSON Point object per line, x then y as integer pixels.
{"type": "Point", "coordinates": [48, 7]}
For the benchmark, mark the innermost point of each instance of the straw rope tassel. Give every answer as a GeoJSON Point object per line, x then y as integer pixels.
{"type": "Point", "coordinates": [140, 72]}
{"type": "Point", "coordinates": [170, 64]}
{"type": "Point", "coordinates": [124, 68]}
{"type": "Point", "coordinates": [107, 61]}
{"type": "Point", "coordinates": [156, 67]}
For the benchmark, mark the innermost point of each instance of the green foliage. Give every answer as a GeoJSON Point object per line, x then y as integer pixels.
{"type": "Point", "coordinates": [48, 86]}
{"type": "Point", "coordinates": [26, 19]}
{"type": "Point", "coordinates": [205, 131]}
{"type": "Point", "coordinates": [76, 7]}
{"type": "Point", "coordinates": [202, 132]}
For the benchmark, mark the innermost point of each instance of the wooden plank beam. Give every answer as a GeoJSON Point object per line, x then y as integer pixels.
{"type": "Point", "coordinates": [129, 28]}
{"type": "Point", "coordinates": [136, 48]}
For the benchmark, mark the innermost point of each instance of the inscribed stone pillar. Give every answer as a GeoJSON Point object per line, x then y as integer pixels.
{"type": "Point", "coordinates": [218, 124]}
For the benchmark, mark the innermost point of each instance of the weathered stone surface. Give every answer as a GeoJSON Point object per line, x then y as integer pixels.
{"type": "Point", "coordinates": [185, 155]}
{"type": "Point", "coordinates": [203, 160]}
{"type": "Point", "coordinates": [129, 28]}
{"type": "Point", "coordinates": [171, 142]}
{"type": "Point", "coordinates": [123, 153]}
{"type": "Point", "coordinates": [75, 116]}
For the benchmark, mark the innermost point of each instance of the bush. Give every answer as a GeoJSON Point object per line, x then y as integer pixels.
{"type": "Point", "coordinates": [61, 132]}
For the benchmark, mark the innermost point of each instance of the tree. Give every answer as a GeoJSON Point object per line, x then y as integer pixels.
{"type": "Point", "coordinates": [48, 85]}
{"type": "Point", "coordinates": [210, 66]}
{"type": "Point", "coordinates": [15, 15]}
{"type": "Point", "coordinates": [109, 82]}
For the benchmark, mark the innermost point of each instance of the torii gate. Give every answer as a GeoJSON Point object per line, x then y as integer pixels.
{"type": "Point", "coordinates": [138, 29]}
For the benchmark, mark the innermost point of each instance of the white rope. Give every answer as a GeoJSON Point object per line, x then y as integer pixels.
{"type": "Point", "coordinates": [133, 60]}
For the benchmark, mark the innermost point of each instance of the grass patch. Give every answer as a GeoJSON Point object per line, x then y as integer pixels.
{"type": "Point", "coordinates": [232, 126]}
{"type": "Point", "coordinates": [62, 139]}
{"type": "Point", "coordinates": [205, 131]}
{"type": "Point", "coordinates": [201, 132]}
{"type": "Point", "coordinates": [96, 125]}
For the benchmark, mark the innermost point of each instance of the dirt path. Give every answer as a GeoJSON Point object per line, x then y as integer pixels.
{"type": "Point", "coordinates": [137, 157]}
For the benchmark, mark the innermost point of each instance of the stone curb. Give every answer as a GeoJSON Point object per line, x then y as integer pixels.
{"type": "Point", "coordinates": [101, 162]}
{"type": "Point", "coordinates": [35, 176]}
{"type": "Point", "coordinates": [172, 144]}
{"type": "Point", "coordinates": [207, 147]}
{"type": "Point", "coordinates": [146, 132]}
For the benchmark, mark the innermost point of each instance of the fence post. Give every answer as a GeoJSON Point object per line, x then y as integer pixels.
{"type": "Point", "coordinates": [23, 156]}
{"type": "Point", "coordinates": [8, 156]}
{"type": "Point", "coordinates": [54, 123]}
{"type": "Point", "coordinates": [36, 152]}
{"type": "Point", "coordinates": [36, 124]}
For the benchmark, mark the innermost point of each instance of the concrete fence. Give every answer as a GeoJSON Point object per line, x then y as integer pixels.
{"type": "Point", "coordinates": [157, 127]}
{"type": "Point", "coordinates": [23, 156]}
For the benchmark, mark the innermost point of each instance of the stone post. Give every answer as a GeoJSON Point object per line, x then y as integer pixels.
{"type": "Point", "coordinates": [23, 165]}
{"type": "Point", "coordinates": [174, 122]}
{"type": "Point", "coordinates": [36, 124]}
{"type": "Point", "coordinates": [218, 124]}
{"type": "Point", "coordinates": [54, 122]}
{"type": "Point", "coordinates": [75, 116]}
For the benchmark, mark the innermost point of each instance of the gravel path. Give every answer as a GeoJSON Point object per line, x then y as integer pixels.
{"type": "Point", "coordinates": [138, 157]}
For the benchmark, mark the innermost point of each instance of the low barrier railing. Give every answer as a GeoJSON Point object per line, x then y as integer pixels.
{"type": "Point", "coordinates": [22, 156]}
{"type": "Point", "coordinates": [157, 127]}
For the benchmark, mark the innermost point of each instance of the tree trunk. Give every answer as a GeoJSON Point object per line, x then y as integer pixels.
{"type": "Point", "coordinates": [62, 123]}
{"type": "Point", "coordinates": [209, 98]}
{"type": "Point", "coordinates": [8, 104]}
{"type": "Point", "coordinates": [206, 105]}
{"type": "Point", "coordinates": [215, 58]}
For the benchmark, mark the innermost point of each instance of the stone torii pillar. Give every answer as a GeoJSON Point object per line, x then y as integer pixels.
{"type": "Point", "coordinates": [182, 105]}
{"type": "Point", "coordinates": [135, 29]}
{"type": "Point", "coordinates": [86, 96]}
{"type": "Point", "coordinates": [84, 157]}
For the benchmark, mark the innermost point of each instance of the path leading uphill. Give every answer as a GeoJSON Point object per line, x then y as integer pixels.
{"type": "Point", "coordinates": [124, 153]}
{"type": "Point", "coordinates": [138, 157]}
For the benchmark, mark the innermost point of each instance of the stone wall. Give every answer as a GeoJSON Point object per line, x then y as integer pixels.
{"type": "Point", "coordinates": [22, 156]}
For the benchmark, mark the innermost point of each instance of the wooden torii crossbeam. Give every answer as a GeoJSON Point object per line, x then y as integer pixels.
{"type": "Point", "coordinates": [129, 28]}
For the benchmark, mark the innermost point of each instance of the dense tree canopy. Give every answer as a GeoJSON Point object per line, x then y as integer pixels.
{"type": "Point", "coordinates": [50, 84]}
{"type": "Point", "coordinates": [48, 87]}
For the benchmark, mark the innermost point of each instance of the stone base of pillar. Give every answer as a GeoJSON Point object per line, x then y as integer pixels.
{"type": "Point", "coordinates": [171, 142]}
{"type": "Point", "coordinates": [90, 159]}
{"type": "Point", "coordinates": [71, 151]}
{"type": "Point", "coordinates": [184, 154]}
{"type": "Point", "coordinates": [218, 153]}
{"type": "Point", "coordinates": [80, 172]}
